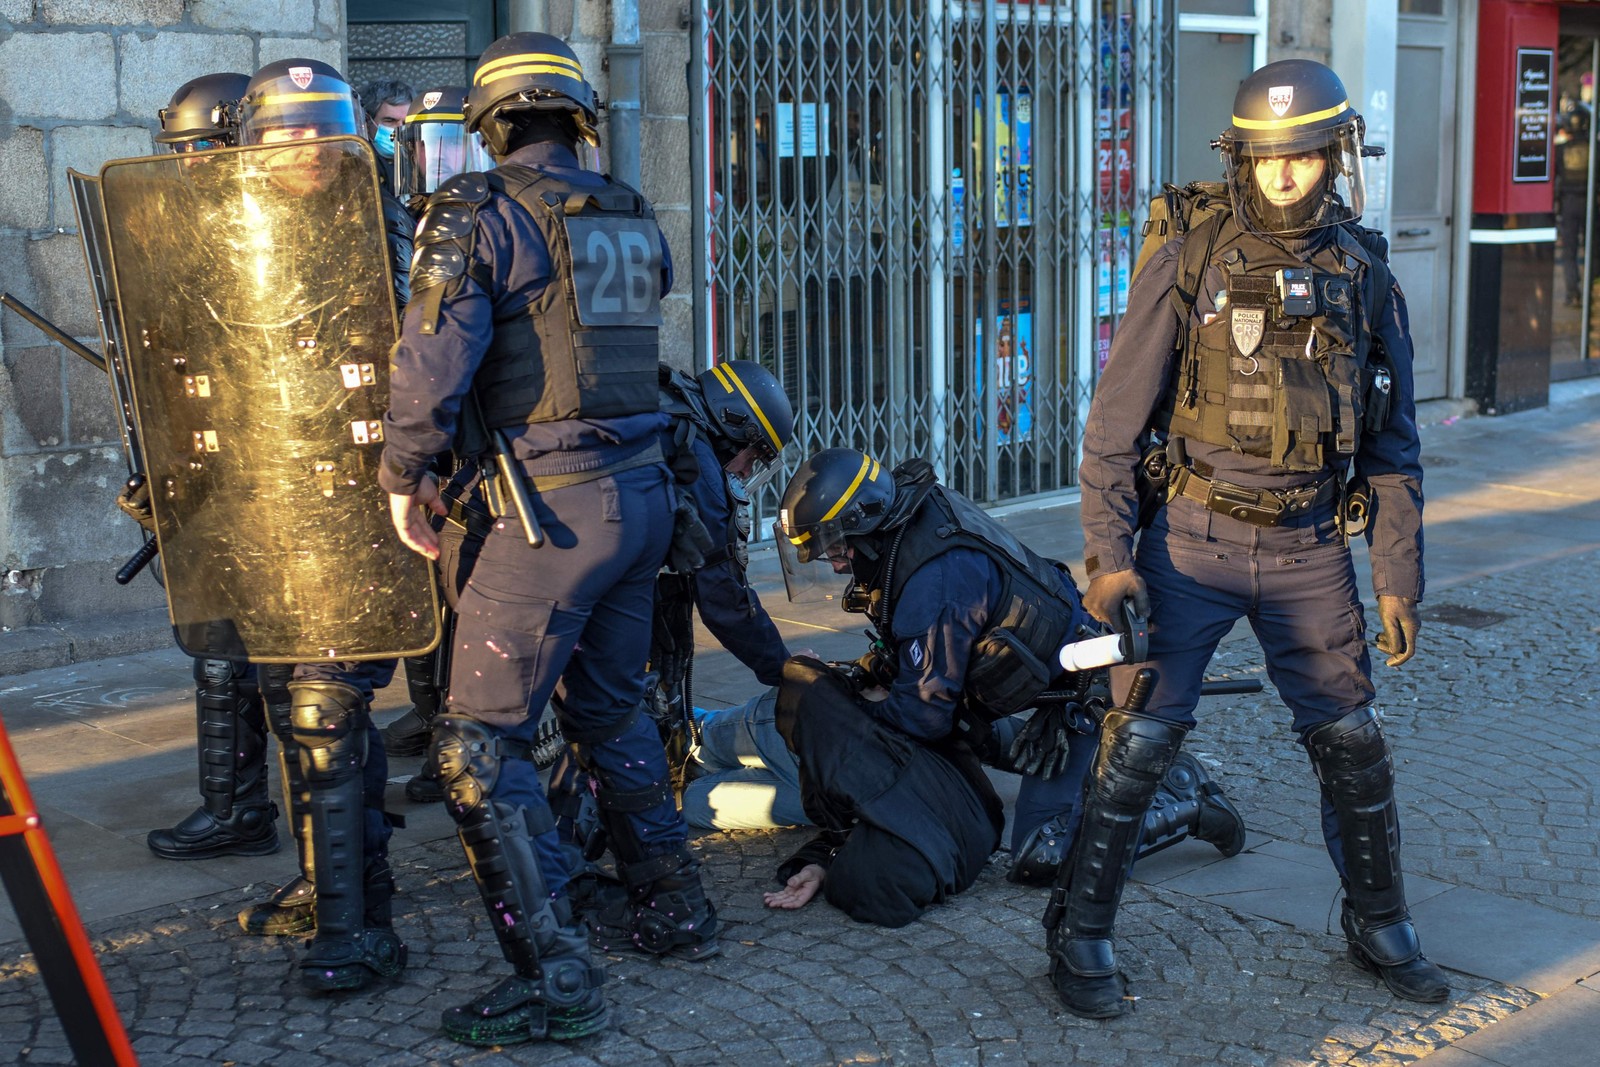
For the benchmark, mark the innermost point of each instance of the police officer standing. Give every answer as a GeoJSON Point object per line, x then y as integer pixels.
{"type": "Point", "coordinates": [1268, 348]}
{"type": "Point", "coordinates": [538, 289]}
{"type": "Point", "coordinates": [236, 816]}
{"type": "Point", "coordinates": [345, 886]}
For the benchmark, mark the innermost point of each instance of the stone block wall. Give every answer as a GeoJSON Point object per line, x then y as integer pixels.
{"type": "Point", "coordinates": [663, 134]}
{"type": "Point", "coordinates": [80, 83]}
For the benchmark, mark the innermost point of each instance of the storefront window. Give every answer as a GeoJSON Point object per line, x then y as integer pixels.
{"type": "Point", "coordinates": [1574, 338]}
{"type": "Point", "coordinates": [1422, 7]}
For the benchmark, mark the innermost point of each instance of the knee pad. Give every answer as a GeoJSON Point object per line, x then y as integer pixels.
{"type": "Point", "coordinates": [328, 729]}
{"type": "Point", "coordinates": [1351, 757]}
{"type": "Point", "coordinates": [467, 754]}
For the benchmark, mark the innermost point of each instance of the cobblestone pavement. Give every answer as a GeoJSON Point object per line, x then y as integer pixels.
{"type": "Point", "coordinates": [965, 985]}
{"type": "Point", "coordinates": [1497, 751]}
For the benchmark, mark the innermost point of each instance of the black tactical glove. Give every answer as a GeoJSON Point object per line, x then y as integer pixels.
{"type": "Point", "coordinates": [1103, 599]}
{"type": "Point", "coordinates": [690, 538]}
{"type": "Point", "coordinates": [1398, 615]}
{"type": "Point", "coordinates": [1040, 747]}
{"type": "Point", "coordinates": [134, 500]}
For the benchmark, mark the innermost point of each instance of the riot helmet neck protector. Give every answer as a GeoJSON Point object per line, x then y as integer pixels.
{"type": "Point", "coordinates": [1293, 153]}
{"type": "Point", "coordinates": [527, 72]}
{"type": "Point", "coordinates": [433, 144]}
{"type": "Point", "coordinates": [834, 505]}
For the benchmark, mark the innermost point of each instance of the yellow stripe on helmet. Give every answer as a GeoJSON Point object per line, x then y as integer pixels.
{"type": "Point", "coordinates": [435, 116]}
{"type": "Point", "coordinates": [862, 475]}
{"type": "Point", "coordinates": [571, 66]}
{"type": "Point", "coordinates": [725, 375]}
{"type": "Point", "coordinates": [1290, 123]}
{"type": "Point", "coordinates": [531, 68]}
{"type": "Point", "coordinates": [299, 98]}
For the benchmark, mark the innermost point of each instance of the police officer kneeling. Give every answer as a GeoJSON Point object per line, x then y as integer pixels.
{"type": "Point", "coordinates": [537, 287]}
{"type": "Point", "coordinates": [971, 621]}
{"type": "Point", "coordinates": [1267, 347]}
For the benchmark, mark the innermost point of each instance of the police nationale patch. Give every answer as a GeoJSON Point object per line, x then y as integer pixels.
{"type": "Point", "coordinates": [1248, 325]}
{"type": "Point", "coordinates": [1279, 97]}
{"type": "Point", "coordinates": [431, 100]}
{"type": "Point", "coordinates": [916, 655]}
{"type": "Point", "coordinates": [301, 76]}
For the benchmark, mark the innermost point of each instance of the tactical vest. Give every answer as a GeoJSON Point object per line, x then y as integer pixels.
{"type": "Point", "coordinates": [682, 400]}
{"type": "Point", "coordinates": [1297, 389]}
{"type": "Point", "coordinates": [1014, 660]}
{"type": "Point", "coordinates": [587, 347]}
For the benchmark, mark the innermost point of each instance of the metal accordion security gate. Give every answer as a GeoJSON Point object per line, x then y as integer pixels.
{"type": "Point", "coordinates": [919, 215]}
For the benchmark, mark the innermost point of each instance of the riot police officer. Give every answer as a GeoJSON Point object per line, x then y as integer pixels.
{"type": "Point", "coordinates": [236, 816]}
{"type": "Point", "coordinates": [971, 622]}
{"type": "Point", "coordinates": [345, 886]}
{"type": "Point", "coordinates": [538, 305]}
{"type": "Point", "coordinates": [431, 146]}
{"type": "Point", "coordinates": [1267, 349]}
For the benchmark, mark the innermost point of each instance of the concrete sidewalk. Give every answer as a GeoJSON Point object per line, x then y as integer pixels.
{"type": "Point", "coordinates": [1235, 960]}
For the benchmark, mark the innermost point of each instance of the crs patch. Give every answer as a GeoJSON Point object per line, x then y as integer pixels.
{"type": "Point", "coordinates": [431, 100]}
{"type": "Point", "coordinates": [1279, 97]}
{"type": "Point", "coordinates": [918, 657]}
{"type": "Point", "coordinates": [301, 76]}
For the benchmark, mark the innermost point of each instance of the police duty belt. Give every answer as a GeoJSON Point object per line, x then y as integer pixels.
{"type": "Point", "coordinates": [1258, 507]}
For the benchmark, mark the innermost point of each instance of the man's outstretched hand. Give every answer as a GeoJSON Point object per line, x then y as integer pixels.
{"type": "Point", "coordinates": [799, 890]}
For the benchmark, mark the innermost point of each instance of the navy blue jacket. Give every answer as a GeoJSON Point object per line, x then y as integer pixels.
{"type": "Point", "coordinates": [944, 606]}
{"type": "Point", "coordinates": [722, 594]}
{"type": "Point", "coordinates": [1142, 363]}
{"type": "Point", "coordinates": [430, 375]}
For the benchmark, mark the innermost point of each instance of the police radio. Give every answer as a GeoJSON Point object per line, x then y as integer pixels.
{"type": "Point", "coordinates": [1129, 644]}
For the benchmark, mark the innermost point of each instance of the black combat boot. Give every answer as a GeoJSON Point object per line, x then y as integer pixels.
{"type": "Point", "coordinates": [1134, 755]}
{"type": "Point", "coordinates": [236, 815]}
{"type": "Point", "coordinates": [1189, 804]}
{"type": "Point", "coordinates": [665, 912]}
{"type": "Point", "coordinates": [555, 993]}
{"type": "Point", "coordinates": [1352, 760]}
{"type": "Point", "coordinates": [408, 735]}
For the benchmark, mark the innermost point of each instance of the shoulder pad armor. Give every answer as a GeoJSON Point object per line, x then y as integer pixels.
{"type": "Point", "coordinates": [436, 264]}
{"type": "Point", "coordinates": [445, 222]}
{"type": "Point", "coordinates": [469, 188]}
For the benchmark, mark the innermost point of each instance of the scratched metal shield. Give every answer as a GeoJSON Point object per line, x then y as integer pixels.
{"type": "Point", "coordinates": [256, 304]}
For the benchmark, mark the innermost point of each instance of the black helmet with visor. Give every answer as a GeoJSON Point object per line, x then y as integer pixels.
{"type": "Point", "coordinates": [836, 495]}
{"type": "Point", "coordinates": [1293, 152]}
{"type": "Point", "coordinates": [433, 144]}
{"type": "Point", "coordinates": [298, 99]}
{"type": "Point", "coordinates": [528, 72]}
{"type": "Point", "coordinates": [200, 114]}
{"type": "Point", "coordinates": [751, 419]}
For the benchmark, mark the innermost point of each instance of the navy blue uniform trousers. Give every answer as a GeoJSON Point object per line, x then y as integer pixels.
{"type": "Point", "coordinates": [576, 612]}
{"type": "Point", "coordinates": [1294, 583]}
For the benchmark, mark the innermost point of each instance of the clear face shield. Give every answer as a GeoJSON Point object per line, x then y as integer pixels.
{"type": "Point", "coordinates": [755, 465]}
{"type": "Point", "coordinates": [427, 154]}
{"type": "Point", "coordinates": [815, 560]}
{"type": "Point", "coordinates": [1292, 184]}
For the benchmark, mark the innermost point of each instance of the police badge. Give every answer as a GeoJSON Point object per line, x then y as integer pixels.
{"type": "Point", "coordinates": [1279, 97]}
{"type": "Point", "coordinates": [431, 100]}
{"type": "Point", "coordinates": [301, 76]}
{"type": "Point", "coordinates": [1248, 324]}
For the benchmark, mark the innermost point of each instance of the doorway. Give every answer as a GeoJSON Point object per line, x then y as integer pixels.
{"type": "Point", "coordinates": [1574, 329]}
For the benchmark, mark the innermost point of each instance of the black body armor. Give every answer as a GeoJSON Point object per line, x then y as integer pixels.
{"type": "Point", "coordinates": [1014, 660]}
{"type": "Point", "coordinates": [587, 347]}
{"type": "Point", "coordinates": [1286, 370]}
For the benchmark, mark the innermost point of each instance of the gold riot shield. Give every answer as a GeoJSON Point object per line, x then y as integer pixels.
{"type": "Point", "coordinates": [257, 307]}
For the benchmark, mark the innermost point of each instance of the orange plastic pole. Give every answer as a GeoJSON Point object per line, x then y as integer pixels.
{"type": "Point", "coordinates": [77, 988]}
